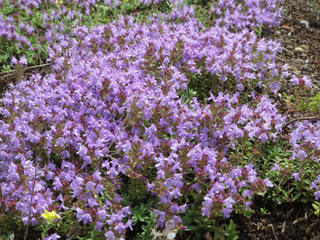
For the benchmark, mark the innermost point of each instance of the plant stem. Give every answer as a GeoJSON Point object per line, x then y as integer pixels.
{"type": "Point", "coordinates": [33, 186]}
{"type": "Point", "coordinates": [301, 119]}
{"type": "Point", "coordinates": [123, 123]}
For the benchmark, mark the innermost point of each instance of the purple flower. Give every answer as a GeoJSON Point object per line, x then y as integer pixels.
{"type": "Point", "coordinates": [99, 188]}
{"type": "Point", "coordinates": [313, 186]}
{"type": "Point", "coordinates": [90, 186]}
{"type": "Point", "coordinates": [14, 61]}
{"type": "Point", "coordinates": [57, 184]}
{"type": "Point", "coordinates": [296, 176]}
{"type": "Point", "coordinates": [110, 235]}
{"type": "Point", "coordinates": [82, 150]}
{"type": "Point", "coordinates": [248, 204]}
{"type": "Point", "coordinates": [196, 187]}
{"type": "Point", "coordinates": [276, 167]}
{"type": "Point", "coordinates": [117, 198]}
{"type": "Point", "coordinates": [307, 81]}
{"type": "Point", "coordinates": [301, 154]}
{"type": "Point", "coordinates": [226, 212]}
{"type": "Point", "coordinates": [160, 217]}
{"type": "Point", "coordinates": [53, 236]}
{"type": "Point", "coordinates": [126, 211]}
{"type": "Point", "coordinates": [119, 215]}
{"type": "Point", "coordinates": [176, 220]}
{"type": "Point", "coordinates": [112, 172]}
{"type": "Point", "coordinates": [120, 227]}
{"type": "Point", "coordinates": [294, 80]}
{"type": "Point", "coordinates": [129, 224]}
{"type": "Point", "coordinates": [246, 193]}
{"type": "Point", "coordinates": [86, 218]}
{"type": "Point", "coordinates": [23, 60]}
{"type": "Point", "coordinates": [99, 226]}
{"type": "Point", "coordinates": [102, 214]}
{"type": "Point", "coordinates": [149, 186]}
{"type": "Point", "coordinates": [92, 202]}
{"type": "Point", "coordinates": [229, 202]}
{"type": "Point", "coordinates": [268, 183]}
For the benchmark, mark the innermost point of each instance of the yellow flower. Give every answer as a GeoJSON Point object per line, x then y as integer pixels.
{"type": "Point", "coordinates": [58, 2]}
{"type": "Point", "coordinates": [50, 216]}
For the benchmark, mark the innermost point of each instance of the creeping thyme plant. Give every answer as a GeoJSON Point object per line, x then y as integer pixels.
{"type": "Point", "coordinates": [145, 119]}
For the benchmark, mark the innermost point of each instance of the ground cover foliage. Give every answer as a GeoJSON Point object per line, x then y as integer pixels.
{"type": "Point", "coordinates": [155, 120]}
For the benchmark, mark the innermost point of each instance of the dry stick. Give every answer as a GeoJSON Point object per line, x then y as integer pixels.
{"type": "Point", "coordinates": [123, 123]}
{"type": "Point", "coordinates": [13, 71]}
{"type": "Point", "coordinates": [300, 119]}
{"type": "Point", "coordinates": [312, 225]}
{"type": "Point", "coordinates": [270, 225]}
{"type": "Point", "coordinates": [33, 185]}
{"type": "Point", "coordinates": [37, 66]}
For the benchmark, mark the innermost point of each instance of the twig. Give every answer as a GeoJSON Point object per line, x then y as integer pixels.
{"type": "Point", "coordinates": [270, 225]}
{"type": "Point", "coordinates": [13, 71]}
{"type": "Point", "coordinates": [312, 225]}
{"type": "Point", "coordinates": [8, 71]}
{"type": "Point", "coordinates": [9, 75]}
{"type": "Point", "coordinates": [283, 227]}
{"type": "Point", "coordinates": [33, 186]}
{"type": "Point", "coordinates": [301, 119]}
{"type": "Point", "coordinates": [37, 66]}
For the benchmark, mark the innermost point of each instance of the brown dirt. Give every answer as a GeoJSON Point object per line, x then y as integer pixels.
{"type": "Point", "coordinates": [299, 34]}
{"type": "Point", "coordinates": [301, 51]}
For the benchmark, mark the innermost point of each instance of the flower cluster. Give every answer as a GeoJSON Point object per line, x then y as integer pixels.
{"type": "Point", "coordinates": [247, 14]}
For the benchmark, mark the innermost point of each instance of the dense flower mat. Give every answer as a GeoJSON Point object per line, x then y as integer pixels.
{"type": "Point", "coordinates": [112, 111]}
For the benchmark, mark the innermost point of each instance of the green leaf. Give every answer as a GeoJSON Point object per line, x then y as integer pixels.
{"type": "Point", "coordinates": [295, 197]}
{"type": "Point", "coordinates": [6, 68]}
{"type": "Point", "coordinates": [316, 206]}
{"type": "Point", "coordinates": [247, 212]}
{"type": "Point", "coordinates": [191, 228]}
{"type": "Point", "coordinates": [285, 194]}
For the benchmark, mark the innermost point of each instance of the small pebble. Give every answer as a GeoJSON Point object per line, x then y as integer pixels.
{"type": "Point", "coordinates": [278, 32]}
{"type": "Point", "coordinates": [304, 23]}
